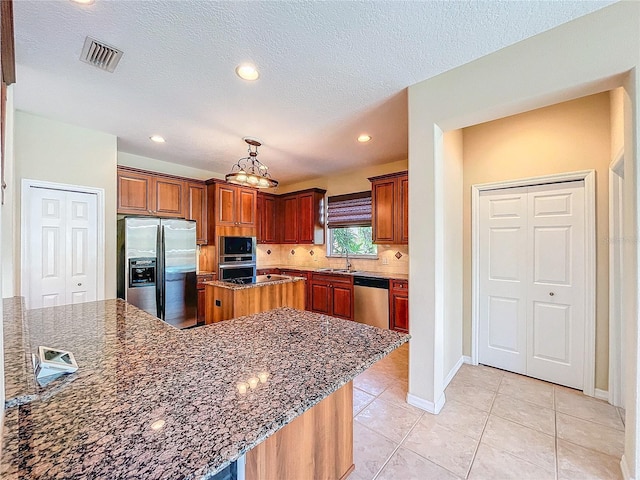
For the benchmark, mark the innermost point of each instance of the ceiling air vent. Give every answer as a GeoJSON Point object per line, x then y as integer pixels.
{"type": "Point", "coordinates": [100, 55]}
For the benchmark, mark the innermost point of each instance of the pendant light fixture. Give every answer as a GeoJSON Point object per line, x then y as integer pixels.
{"type": "Point", "coordinates": [249, 171]}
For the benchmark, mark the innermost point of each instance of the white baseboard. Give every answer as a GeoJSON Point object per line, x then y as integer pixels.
{"type": "Point", "coordinates": [602, 394]}
{"type": "Point", "coordinates": [453, 372]}
{"type": "Point", "coordinates": [625, 469]}
{"type": "Point", "coordinates": [467, 359]}
{"type": "Point", "coordinates": [426, 405]}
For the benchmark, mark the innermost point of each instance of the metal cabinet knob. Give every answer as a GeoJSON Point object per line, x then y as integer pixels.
{"type": "Point", "coordinates": [551, 294]}
{"type": "Point", "coordinates": [79, 284]}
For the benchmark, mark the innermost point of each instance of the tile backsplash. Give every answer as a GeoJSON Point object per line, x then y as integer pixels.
{"type": "Point", "coordinates": [391, 258]}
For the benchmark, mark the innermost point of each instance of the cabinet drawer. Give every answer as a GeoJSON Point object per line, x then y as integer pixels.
{"type": "Point", "coordinates": [400, 285]}
{"type": "Point", "coordinates": [341, 279]}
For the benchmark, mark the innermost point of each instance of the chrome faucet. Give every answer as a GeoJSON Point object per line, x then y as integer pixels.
{"type": "Point", "coordinates": [348, 266]}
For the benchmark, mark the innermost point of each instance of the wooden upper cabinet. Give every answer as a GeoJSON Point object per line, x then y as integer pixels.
{"type": "Point", "coordinates": [383, 208]}
{"type": "Point", "coordinates": [302, 217]}
{"type": "Point", "coordinates": [158, 195]}
{"type": "Point", "coordinates": [134, 192]}
{"type": "Point", "coordinates": [289, 219]}
{"type": "Point", "coordinates": [197, 209]}
{"type": "Point", "coordinates": [232, 209]}
{"type": "Point", "coordinates": [403, 209]}
{"type": "Point", "coordinates": [390, 208]}
{"type": "Point", "coordinates": [169, 196]}
{"type": "Point", "coordinates": [266, 212]}
{"type": "Point", "coordinates": [148, 193]}
{"type": "Point", "coordinates": [246, 207]}
{"type": "Point", "coordinates": [225, 205]}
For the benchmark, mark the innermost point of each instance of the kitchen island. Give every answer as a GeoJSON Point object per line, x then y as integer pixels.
{"type": "Point", "coordinates": [152, 401]}
{"type": "Point", "coordinates": [226, 300]}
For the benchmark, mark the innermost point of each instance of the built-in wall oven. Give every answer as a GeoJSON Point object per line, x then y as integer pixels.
{"type": "Point", "coordinates": [237, 259]}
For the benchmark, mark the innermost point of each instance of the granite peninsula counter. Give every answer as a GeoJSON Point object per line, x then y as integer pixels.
{"type": "Point", "coordinates": [151, 401]}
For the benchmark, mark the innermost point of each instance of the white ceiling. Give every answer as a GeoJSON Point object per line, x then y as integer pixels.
{"type": "Point", "coordinates": [329, 71]}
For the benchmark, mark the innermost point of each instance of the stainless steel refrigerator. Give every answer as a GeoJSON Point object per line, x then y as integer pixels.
{"type": "Point", "coordinates": [157, 267]}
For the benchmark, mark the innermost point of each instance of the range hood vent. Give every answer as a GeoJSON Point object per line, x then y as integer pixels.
{"type": "Point", "coordinates": [100, 55]}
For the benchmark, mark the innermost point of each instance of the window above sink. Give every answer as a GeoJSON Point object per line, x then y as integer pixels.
{"type": "Point", "coordinates": [349, 226]}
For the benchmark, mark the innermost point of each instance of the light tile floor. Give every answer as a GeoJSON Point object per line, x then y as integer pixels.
{"type": "Point", "coordinates": [494, 425]}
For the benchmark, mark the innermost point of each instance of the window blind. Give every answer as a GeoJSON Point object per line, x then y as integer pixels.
{"type": "Point", "coordinates": [351, 210]}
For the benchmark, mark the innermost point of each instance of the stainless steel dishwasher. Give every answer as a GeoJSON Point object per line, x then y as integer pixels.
{"type": "Point", "coordinates": [371, 298]}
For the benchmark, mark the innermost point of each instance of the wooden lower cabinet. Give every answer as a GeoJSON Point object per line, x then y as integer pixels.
{"type": "Point", "coordinates": [304, 274]}
{"type": "Point", "coordinates": [204, 277]}
{"type": "Point", "coordinates": [223, 303]}
{"type": "Point", "coordinates": [332, 295]}
{"type": "Point", "coordinates": [316, 445]}
{"type": "Point", "coordinates": [399, 306]}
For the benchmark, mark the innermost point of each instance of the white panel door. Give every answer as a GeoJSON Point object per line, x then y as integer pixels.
{"type": "Point", "coordinates": [556, 303]}
{"type": "Point", "coordinates": [62, 247]}
{"type": "Point", "coordinates": [81, 247]}
{"type": "Point", "coordinates": [532, 281]}
{"type": "Point", "coordinates": [503, 279]}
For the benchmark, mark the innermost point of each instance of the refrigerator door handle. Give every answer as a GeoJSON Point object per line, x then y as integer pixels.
{"type": "Point", "coordinates": [160, 272]}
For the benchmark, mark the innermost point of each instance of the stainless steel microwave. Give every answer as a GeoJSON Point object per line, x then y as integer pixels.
{"type": "Point", "coordinates": [237, 249]}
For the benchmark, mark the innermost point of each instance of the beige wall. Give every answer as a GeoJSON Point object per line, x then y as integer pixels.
{"type": "Point", "coordinates": [160, 166]}
{"type": "Point", "coordinates": [566, 137]}
{"type": "Point", "coordinates": [453, 148]}
{"type": "Point", "coordinates": [347, 182]}
{"type": "Point", "coordinates": [57, 152]}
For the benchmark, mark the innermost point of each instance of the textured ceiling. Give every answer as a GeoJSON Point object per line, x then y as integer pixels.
{"type": "Point", "coordinates": [329, 71]}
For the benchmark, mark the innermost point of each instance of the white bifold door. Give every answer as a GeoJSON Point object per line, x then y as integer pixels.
{"type": "Point", "coordinates": [61, 247]}
{"type": "Point", "coordinates": [532, 281]}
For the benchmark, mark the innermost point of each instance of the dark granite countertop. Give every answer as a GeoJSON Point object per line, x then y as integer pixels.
{"type": "Point", "coordinates": [151, 401]}
{"type": "Point", "coordinates": [260, 283]}
{"type": "Point", "coordinates": [361, 273]}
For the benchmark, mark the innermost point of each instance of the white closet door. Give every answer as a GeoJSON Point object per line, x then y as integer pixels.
{"type": "Point", "coordinates": [555, 327]}
{"type": "Point", "coordinates": [45, 255]}
{"type": "Point", "coordinates": [532, 281]}
{"type": "Point", "coordinates": [503, 279]}
{"type": "Point", "coordinates": [81, 248]}
{"type": "Point", "coordinates": [62, 247]}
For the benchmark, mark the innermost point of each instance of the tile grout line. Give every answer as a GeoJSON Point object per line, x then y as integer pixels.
{"type": "Point", "coordinates": [397, 447]}
{"type": "Point", "coordinates": [484, 427]}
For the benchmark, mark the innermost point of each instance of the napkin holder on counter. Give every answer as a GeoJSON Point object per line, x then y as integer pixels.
{"type": "Point", "coordinates": [53, 361]}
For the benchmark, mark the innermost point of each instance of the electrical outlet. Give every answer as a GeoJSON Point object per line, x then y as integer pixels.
{"type": "Point", "coordinates": [385, 261]}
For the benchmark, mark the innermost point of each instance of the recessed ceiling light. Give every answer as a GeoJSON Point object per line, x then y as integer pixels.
{"type": "Point", "coordinates": [157, 138]}
{"type": "Point", "coordinates": [364, 138]}
{"type": "Point", "coordinates": [246, 71]}
{"type": "Point", "coordinates": [84, 2]}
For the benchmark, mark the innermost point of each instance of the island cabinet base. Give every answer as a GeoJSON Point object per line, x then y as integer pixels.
{"type": "Point", "coordinates": [222, 303]}
{"type": "Point", "coordinates": [318, 445]}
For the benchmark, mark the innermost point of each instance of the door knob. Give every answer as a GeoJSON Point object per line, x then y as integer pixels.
{"type": "Point", "coordinates": [551, 294]}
